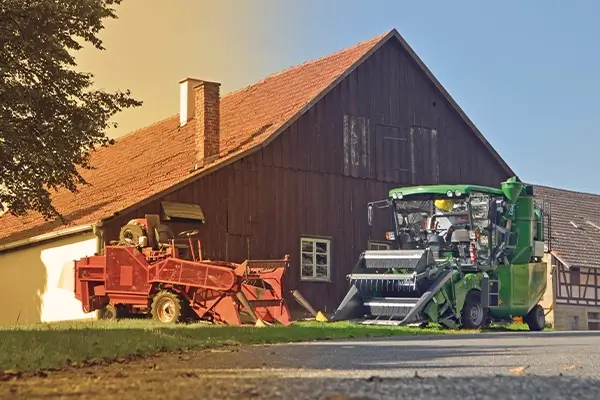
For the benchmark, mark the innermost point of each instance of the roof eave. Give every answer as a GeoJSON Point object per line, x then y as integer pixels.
{"type": "Point", "coordinates": [560, 259]}
{"type": "Point", "coordinates": [46, 237]}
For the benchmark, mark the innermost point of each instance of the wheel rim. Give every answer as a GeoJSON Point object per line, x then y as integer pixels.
{"type": "Point", "coordinates": [166, 310]}
{"type": "Point", "coordinates": [476, 314]}
{"type": "Point", "coordinates": [109, 312]}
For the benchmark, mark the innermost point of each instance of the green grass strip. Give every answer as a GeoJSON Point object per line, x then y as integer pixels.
{"type": "Point", "coordinates": [47, 346]}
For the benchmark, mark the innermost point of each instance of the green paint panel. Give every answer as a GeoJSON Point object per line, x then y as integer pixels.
{"type": "Point", "coordinates": [512, 189]}
{"type": "Point", "coordinates": [526, 224]}
{"type": "Point", "coordinates": [457, 287]}
{"type": "Point", "coordinates": [521, 287]}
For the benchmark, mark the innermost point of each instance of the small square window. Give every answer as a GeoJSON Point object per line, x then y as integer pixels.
{"type": "Point", "coordinates": [574, 276]}
{"type": "Point", "coordinates": [315, 259]}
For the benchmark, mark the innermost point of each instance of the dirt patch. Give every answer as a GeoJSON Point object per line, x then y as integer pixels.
{"type": "Point", "coordinates": [149, 377]}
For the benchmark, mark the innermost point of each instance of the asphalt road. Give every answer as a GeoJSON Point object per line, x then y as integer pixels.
{"type": "Point", "coordinates": [515, 365]}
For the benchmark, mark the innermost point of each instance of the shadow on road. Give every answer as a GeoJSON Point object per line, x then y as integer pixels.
{"type": "Point", "coordinates": [379, 356]}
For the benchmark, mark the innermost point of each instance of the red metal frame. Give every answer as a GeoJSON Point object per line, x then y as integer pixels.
{"type": "Point", "coordinates": [128, 276]}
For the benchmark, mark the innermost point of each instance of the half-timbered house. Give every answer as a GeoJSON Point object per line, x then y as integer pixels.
{"type": "Point", "coordinates": [573, 243]}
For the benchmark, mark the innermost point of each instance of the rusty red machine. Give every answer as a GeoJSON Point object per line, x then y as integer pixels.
{"type": "Point", "coordinates": [149, 271]}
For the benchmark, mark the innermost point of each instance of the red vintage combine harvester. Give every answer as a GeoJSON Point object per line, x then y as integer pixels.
{"type": "Point", "coordinates": [149, 271]}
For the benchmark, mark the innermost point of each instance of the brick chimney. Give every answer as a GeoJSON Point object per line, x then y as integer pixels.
{"type": "Point", "coordinates": [201, 100]}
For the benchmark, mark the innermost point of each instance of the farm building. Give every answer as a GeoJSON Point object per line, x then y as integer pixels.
{"type": "Point", "coordinates": [284, 166]}
{"type": "Point", "coordinates": [573, 233]}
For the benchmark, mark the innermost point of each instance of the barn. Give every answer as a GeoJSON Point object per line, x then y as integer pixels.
{"type": "Point", "coordinates": [284, 166]}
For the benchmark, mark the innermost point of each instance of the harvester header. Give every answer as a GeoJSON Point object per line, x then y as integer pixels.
{"type": "Point", "coordinates": [462, 255]}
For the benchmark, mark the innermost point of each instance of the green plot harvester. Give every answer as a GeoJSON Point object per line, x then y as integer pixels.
{"type": "Point", "coordinates": [463, 256]}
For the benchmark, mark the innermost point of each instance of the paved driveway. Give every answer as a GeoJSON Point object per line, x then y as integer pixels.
{"type": "Point", "coordinates": [547, 365]}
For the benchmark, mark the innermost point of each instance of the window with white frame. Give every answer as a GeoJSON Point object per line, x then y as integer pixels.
{"type": "Point", "coordinates": [374, 245]}
{"type": "Point", "coordinates": [315, 259]}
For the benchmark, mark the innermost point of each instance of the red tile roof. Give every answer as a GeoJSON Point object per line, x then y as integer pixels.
{"type": "Point", "coordinates": [148, 161]}
{"type": "Point", "coordinates": [575, 225]}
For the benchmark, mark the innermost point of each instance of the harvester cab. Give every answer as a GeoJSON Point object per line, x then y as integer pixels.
{"type": "Point", "coordinates": [456, 251]}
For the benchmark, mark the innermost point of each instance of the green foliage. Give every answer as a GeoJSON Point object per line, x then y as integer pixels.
{"type": "Point", "coordinates": [50, 119]}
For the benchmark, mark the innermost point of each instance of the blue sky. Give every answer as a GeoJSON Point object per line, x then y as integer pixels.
{"type": "Point", "coordinates": [526, 72]}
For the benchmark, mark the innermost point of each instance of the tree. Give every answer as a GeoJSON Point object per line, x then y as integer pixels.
{"type": "Point", "coordinates": [50, 119]}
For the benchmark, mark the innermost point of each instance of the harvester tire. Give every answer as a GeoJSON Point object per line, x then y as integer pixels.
{"type": "Point", "coordinates": [167, 307]}
{"type": "Point", "coordinates": [473, 312]}
{"type": "Point", "coordinates": [108, 312]}
{"type": "Point", "coordinates": [535, 319]}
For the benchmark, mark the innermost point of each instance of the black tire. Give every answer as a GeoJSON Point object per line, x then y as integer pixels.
{"type": "Point", "coordinates": [473, 315]}
{"type": "Point", "coordinates": [536, 319]}
{"type": "Point", "coordinates": [108, 312]}
{"type": "Point", "coordinates": [167, 307]}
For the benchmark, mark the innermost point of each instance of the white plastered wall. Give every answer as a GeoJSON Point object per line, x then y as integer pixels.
{"type": "Point", "coordinates": [37, 282]}
{"type": "Point", "coordinates": [548, 301]}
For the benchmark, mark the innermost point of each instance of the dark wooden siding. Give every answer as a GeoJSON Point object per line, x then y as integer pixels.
{"type": "Point", "coordinates": [385, 125]}
{"type": "Point", "coordinates": [390, 111]}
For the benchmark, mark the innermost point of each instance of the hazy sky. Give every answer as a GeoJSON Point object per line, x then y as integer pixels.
{"type": "Point", "coordinates": [526, 73]}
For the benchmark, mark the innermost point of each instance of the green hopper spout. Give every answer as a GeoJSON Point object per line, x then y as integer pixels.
{"type": "Point", "coordinates": [512, 189]}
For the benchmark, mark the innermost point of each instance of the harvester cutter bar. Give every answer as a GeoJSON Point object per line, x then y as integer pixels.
{"type": "Point", "coordinates": [391, 307]}
{"type": "Point", "coordinates": [396, 277]}
{"type": "Point", "coordinates": [400, 310]}
{"type": "Point", "coordinates": [265, 303]}
{"type": "Point", "coordinates": [401, 259]}
{"type": "Point", "coordinates": [369, 284]}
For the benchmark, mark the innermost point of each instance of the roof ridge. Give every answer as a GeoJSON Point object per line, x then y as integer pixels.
{"type": "Point", "coordinates": [309, 62]}
{"type": "Point", "coordinates": [564, 190]}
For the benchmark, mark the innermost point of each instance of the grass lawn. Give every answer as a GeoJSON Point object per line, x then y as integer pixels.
{"type": "Point", "coordinates": [26, 348]}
